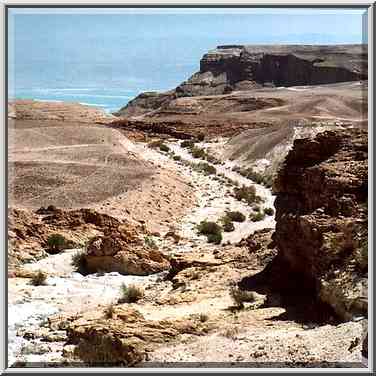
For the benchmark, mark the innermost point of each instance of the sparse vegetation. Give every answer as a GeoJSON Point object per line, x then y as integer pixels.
{"type": "Point", "coordinates": [258, 178]}
{"type": "Point", "coordinates": [56, 243]}
{"type": "Point", "coordinates": [215, 238]}
{"type": "Point", "coordinates": [231, 332]}
{"type": "Point", "coordinates": [201, 136]}
{"type": "Point", "coordinates": [159, 145]}
{"type": "Point", "coordinates": [207, 228]}
{"type": "Point", "coordinates": [269, 211]}
{"type": "Point", "coordinates": [236, 216]}
{"type": "Point", "coordinates": [211, 230]}
{"type": "Point", "coordinates": [176, 158]}
{"type": "Point", "coordinates": [256, 217]}
{"type": "Point", "coordinates": [247, 194]}
{"type": "Point", "coordinates": [198, 152]}
{"type": "Point", "coordinates": [130, 294]}
{"type": "Point", "coordinates": [39, 279]}
{"type": "Point", "coordinates": [240, 296]}
{"type": "Point", "coordinates": [187, 144]}
{"type": "Point", "coordinates": [227, 224]}
{"type": "Point", "coordinates": [204, 167]}
{"type": "Point", "coordinates": [150, 242]}
{"type": "Point", "coordinates": [79, 262]}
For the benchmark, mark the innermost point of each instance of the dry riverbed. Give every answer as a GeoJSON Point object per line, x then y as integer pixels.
{"type": "Point", "coordinates": [249, 336]}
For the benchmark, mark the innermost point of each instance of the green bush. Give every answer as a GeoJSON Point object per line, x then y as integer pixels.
{"type": "Point", "coordinates": [198, 152]}
{"type": "Point", "coordinates": [56, 243]}
{"type": "Point", "coordinates": [130, 294]}
{"type": "Point", "coordinates": [39, 279]}
{"type": "Point", "coordinates": [269, 211]}
{"type": "Point", "coordinates": [214, 238]}
{"type": "Point", "coordinates": [201, 136]}
{"type": "Point", "coordinates": [211, 230]}
{"type": "Point", "coordinates": [187, 144]}
{"type": "Point", "coordinates": [176, 158]}
{"type": "Point", "coordinates": [236, 216]}
{"type": "Point", "coordinates": [207, 228]}
{"type": "Point", "coordinates": [246, 193]}
{"type": "Point", "coordinates": [159, 145]}
{"type": "Point", "coordinates": [164, 147]}
{"type": "Point", "coordinates": [205, 168]}
{"type": "Point", "coordinates": [227, 224]}
{"type": "Point", "coordinates": [257, 217]}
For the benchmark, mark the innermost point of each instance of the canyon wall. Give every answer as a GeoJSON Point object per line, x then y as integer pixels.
{"type": "Point", "coordinates": [322, 220]}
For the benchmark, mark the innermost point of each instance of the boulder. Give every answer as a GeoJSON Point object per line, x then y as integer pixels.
{"type": "Point", "coordinates": [124, 253]}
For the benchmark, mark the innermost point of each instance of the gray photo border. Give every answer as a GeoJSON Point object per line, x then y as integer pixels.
{"type": "Point", "coordinates": [368, 31]}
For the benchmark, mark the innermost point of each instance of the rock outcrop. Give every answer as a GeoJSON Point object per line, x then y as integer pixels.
{"type": "Point", "coordinates": [123, 251]}
{"type": "Point", "coordinates": [321, 219]}
{"type": "Point", "coordinates": [124, 337]}
{"type": "Point", "coordinates": [28, 231]}
{"type": "Point", "coordinates": [237, 67]}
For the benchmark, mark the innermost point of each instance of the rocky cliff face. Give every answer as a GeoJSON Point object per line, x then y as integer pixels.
{"type": "Point", "coordinates": [230, 68]}
{"type": "Point", "coordinates": [321, 214]}
{"type": "Point", "coordinates": [236, 67]}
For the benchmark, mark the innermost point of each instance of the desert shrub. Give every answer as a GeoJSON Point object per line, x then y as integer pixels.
{"type": "Point", "coordinates": [164, 147]}
{"type": "Point", "coordinates": [198, 152]}
{"type": "Point", "coordinates": [257, 216]}
{"type": "Point", "coordinates": [203, 317]}
{"type": "Point", "coordinates": [56, 243]}
{"type": "Point", "coordinates": [236, 216]}
{"type": "Point", "coordinates": [176, 158]}
{"type": "Point", "coordinates": [39, 279]}
{"type": "Point", "coordinates": [159, 145]}
{"type": "Point", "coordinates": [204, 167]}
{"type": "Point", "coordinates": [227, 224]}
{"type": "Point", "coordinates": [109, 311]}
{"type": "Point", "coordinates": [201, 136]}
{"type": "Point", "coordinates": [187, 144]}
{"type": "Point", "coordinates": [231, 332]}
{"type": "Point", "coordinates": [150, 242]}
{"type": "Point", "coordinates": [240, 296]}
{"type": "Point", "coordinates": [215, 238]}
{"type": "Point", "coordinates": [212, 159]}
{"type": "Point", "coordinates": [130, 294]}
{"type": "Point", "coordinates": [256, 208]}
{"type": "Point", "coordinates": [211, 230]}
{"type": "Point", "coordinates": [246, 193]}
{"type": "Point", "coordinates": [207, 228]}
{"type": "Point", "coordinates": [79, 262]}
{"type": "Point", "coordinates": [269, 211]}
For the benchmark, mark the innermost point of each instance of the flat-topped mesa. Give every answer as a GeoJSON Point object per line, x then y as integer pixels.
{"type": "Point", "coordinates": [231, 68]}
{"type": "Point", "coordinates": [236, 67]}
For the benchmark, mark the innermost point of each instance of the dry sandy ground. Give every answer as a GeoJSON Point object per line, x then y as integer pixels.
{"type": "Point", "coordinates": [74, 164]}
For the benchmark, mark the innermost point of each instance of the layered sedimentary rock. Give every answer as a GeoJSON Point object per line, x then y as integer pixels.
{"type": "Point", "coordinates": [321, 218]}
{"type": "Point", "coordinates": [237, 67]}
{"type": "Point", "coordinates": [124, 337]}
